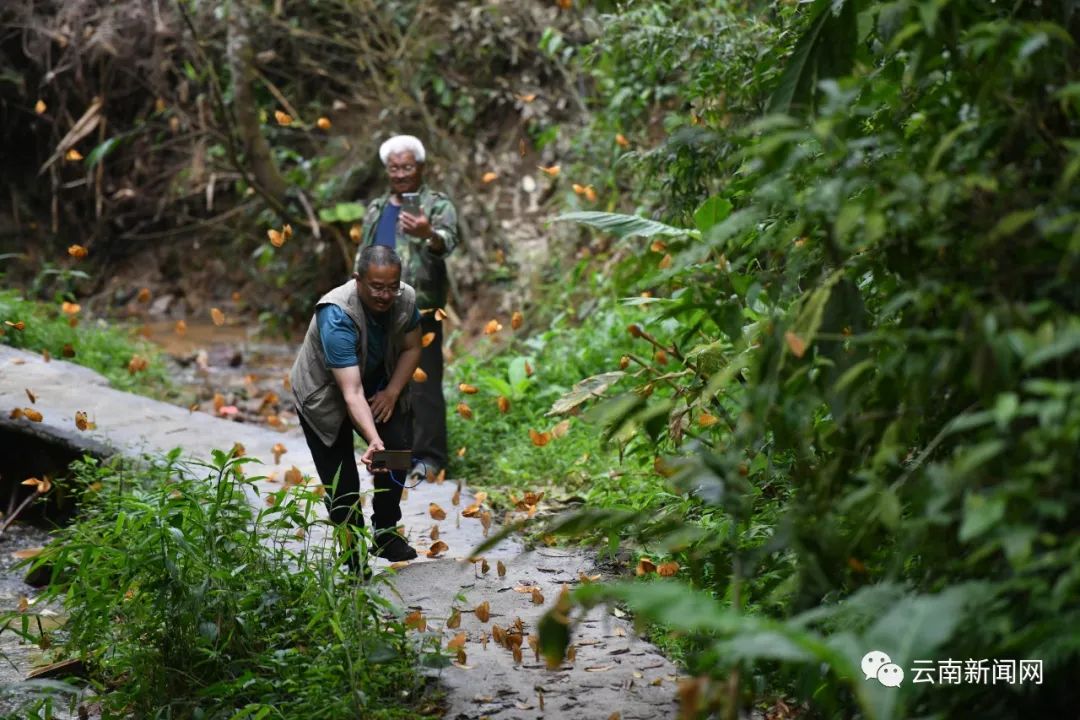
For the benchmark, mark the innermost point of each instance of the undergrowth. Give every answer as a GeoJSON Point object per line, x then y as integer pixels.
{"type": "Point", "coordinates": [184, 602]}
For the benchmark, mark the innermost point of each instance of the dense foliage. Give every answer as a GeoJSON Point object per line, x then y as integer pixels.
{"type": "Point", "coordinates": [869, 333]}
{"type": "Point", "coordinates": [183, 602]}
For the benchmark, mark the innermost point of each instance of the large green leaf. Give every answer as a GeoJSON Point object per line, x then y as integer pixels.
{"type": "Point", "coordinates": [826, 49]}
{"type": "Point", "coordinates": [912, 629]}
{"type": "Point", "coordinates": [712, 212]}
{"type": "Point", "coordinates": [624, 226]}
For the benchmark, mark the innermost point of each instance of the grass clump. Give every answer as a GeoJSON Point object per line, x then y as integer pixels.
{"type": "Point", "coordinates": [184, 602]}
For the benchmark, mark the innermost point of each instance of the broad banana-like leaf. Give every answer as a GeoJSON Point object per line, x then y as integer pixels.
{"type": "Point", "coordinates": [624, 226]}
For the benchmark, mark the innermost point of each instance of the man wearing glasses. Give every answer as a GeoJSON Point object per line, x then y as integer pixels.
{"type": "Point", "coordinates": [352, 372]}
{"type": "Point", "coordinates": [423, 240]}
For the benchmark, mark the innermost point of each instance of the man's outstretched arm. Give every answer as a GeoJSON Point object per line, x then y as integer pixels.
{"type": "Point", "coordinates": [352, 388]}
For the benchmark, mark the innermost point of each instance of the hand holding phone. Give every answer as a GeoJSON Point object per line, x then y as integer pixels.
{"type": "Point", "coordinates": [384, 460]}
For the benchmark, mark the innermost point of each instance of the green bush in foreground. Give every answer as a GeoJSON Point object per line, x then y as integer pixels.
{"type": "Point", "coordinates": [184, 602]}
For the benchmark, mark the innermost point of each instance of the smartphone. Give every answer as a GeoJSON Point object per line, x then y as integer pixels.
{"type": "Point", "coordinates": [410, 203]}
{"type": "Point", "coordinates": [392, 459]}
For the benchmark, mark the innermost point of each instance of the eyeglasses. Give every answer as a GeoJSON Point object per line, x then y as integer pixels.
{"type": "Point", "coordinates": [384, 290]}
{"type": "Point", "coordinates": [399, 169]}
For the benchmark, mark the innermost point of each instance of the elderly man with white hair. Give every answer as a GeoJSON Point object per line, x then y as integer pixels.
{"type": "Point", "coordinates": [422, 240]}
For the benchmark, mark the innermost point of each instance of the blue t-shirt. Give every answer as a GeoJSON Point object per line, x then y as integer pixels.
{"type": "Point", "coordinates": [341, 338]}
{"type": "Point", "coordinates": [386, 232]}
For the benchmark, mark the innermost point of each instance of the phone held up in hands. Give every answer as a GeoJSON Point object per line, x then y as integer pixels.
{"type": "Point", "coordinates": [391, 460]}
{"type": "Point", "coordinates": [410, 203]}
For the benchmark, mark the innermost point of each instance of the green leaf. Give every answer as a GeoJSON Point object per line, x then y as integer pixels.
{"type": "Point", "coordinates": [826, 49]}
{"type": "Point", "coordinates": [708, 357]}
{"type": "Point", "coordinates": [889, 508]}
{"type": "Point", "coordinates": [672, 604]}
{"type": "Point", "coordinates": [587, 389]}
{"type": "Point", "coordinates": [496, 385]}
{"type": "Point", "coordinates": [918, 625]}
{"type": "Point", "coordinates": [554, 633]}
{"type": "Point", "coordinates": [98, 153]}
{"type": "Point", "coordinates": [766, 644]}
{"type": "Point", "coordinates": [613, 414]}
{"type": "Point", "coordinates": [588, 519]}
{"type": "Point", "coordinates": [518, 376]}
{"type": "Point", "coordinates": [624, 226]}
{"type": "Point", "coordinates": [809, 320]}
{"type": "Point", "coordinates": [1013, 222]}
{"type": "Point", "coordinates": [1064, 343]}
{"type": "Point", "coordinates": [980, 514]}
{"type": "Point", "coordinates": [946, 142]}
{"type": "Point", "coordinates": [712, 212]}
{"type": "Point", "coordinates": [1005, 409]}
{"type": "Point", "coordinates": [914, 628]}
{"type": "Point", "coordinates": [969, 459]}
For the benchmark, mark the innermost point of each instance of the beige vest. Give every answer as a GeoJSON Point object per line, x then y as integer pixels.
{"type": "Point", "coordinates": [318, 397]}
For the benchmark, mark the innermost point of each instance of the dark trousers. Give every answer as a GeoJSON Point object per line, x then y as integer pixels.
{"type": "Point", "coordinates": [428, 403]}
{"type": "Point", "coordinates": [343, 499]}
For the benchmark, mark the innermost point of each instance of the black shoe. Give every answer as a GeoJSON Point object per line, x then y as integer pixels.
{"type": "Point", "coordinates": [418, 474]}
{"type": "Point", "coordinates": [423, 470]}
{"type": "Point", "coordinates": [393, 547]}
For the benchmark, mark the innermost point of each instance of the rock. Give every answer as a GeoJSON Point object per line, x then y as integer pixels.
{"type": "Point", "coordinates": [39, 576]}
{"type": "Point", "coordinates": [160, 306]}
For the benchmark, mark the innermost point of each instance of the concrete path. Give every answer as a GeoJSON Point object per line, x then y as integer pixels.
{"type": "Point", "coordinates": [614, 674]}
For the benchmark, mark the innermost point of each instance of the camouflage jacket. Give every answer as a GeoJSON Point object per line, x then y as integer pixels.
{"type": "Point", "coordinates": [421, 267]}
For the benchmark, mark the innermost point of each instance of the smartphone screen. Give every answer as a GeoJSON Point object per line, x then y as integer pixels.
{"type": "Point", "coordinates": [410, 203]}
{"type": "Point", "coordinates": [392, 459]}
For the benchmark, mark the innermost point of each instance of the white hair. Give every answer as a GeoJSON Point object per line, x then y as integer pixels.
{"type": "Point", "coordinates": [399, 144]}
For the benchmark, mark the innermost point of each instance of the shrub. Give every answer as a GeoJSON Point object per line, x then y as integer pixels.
{"type": "Point", "coordinates": [184, 602]}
